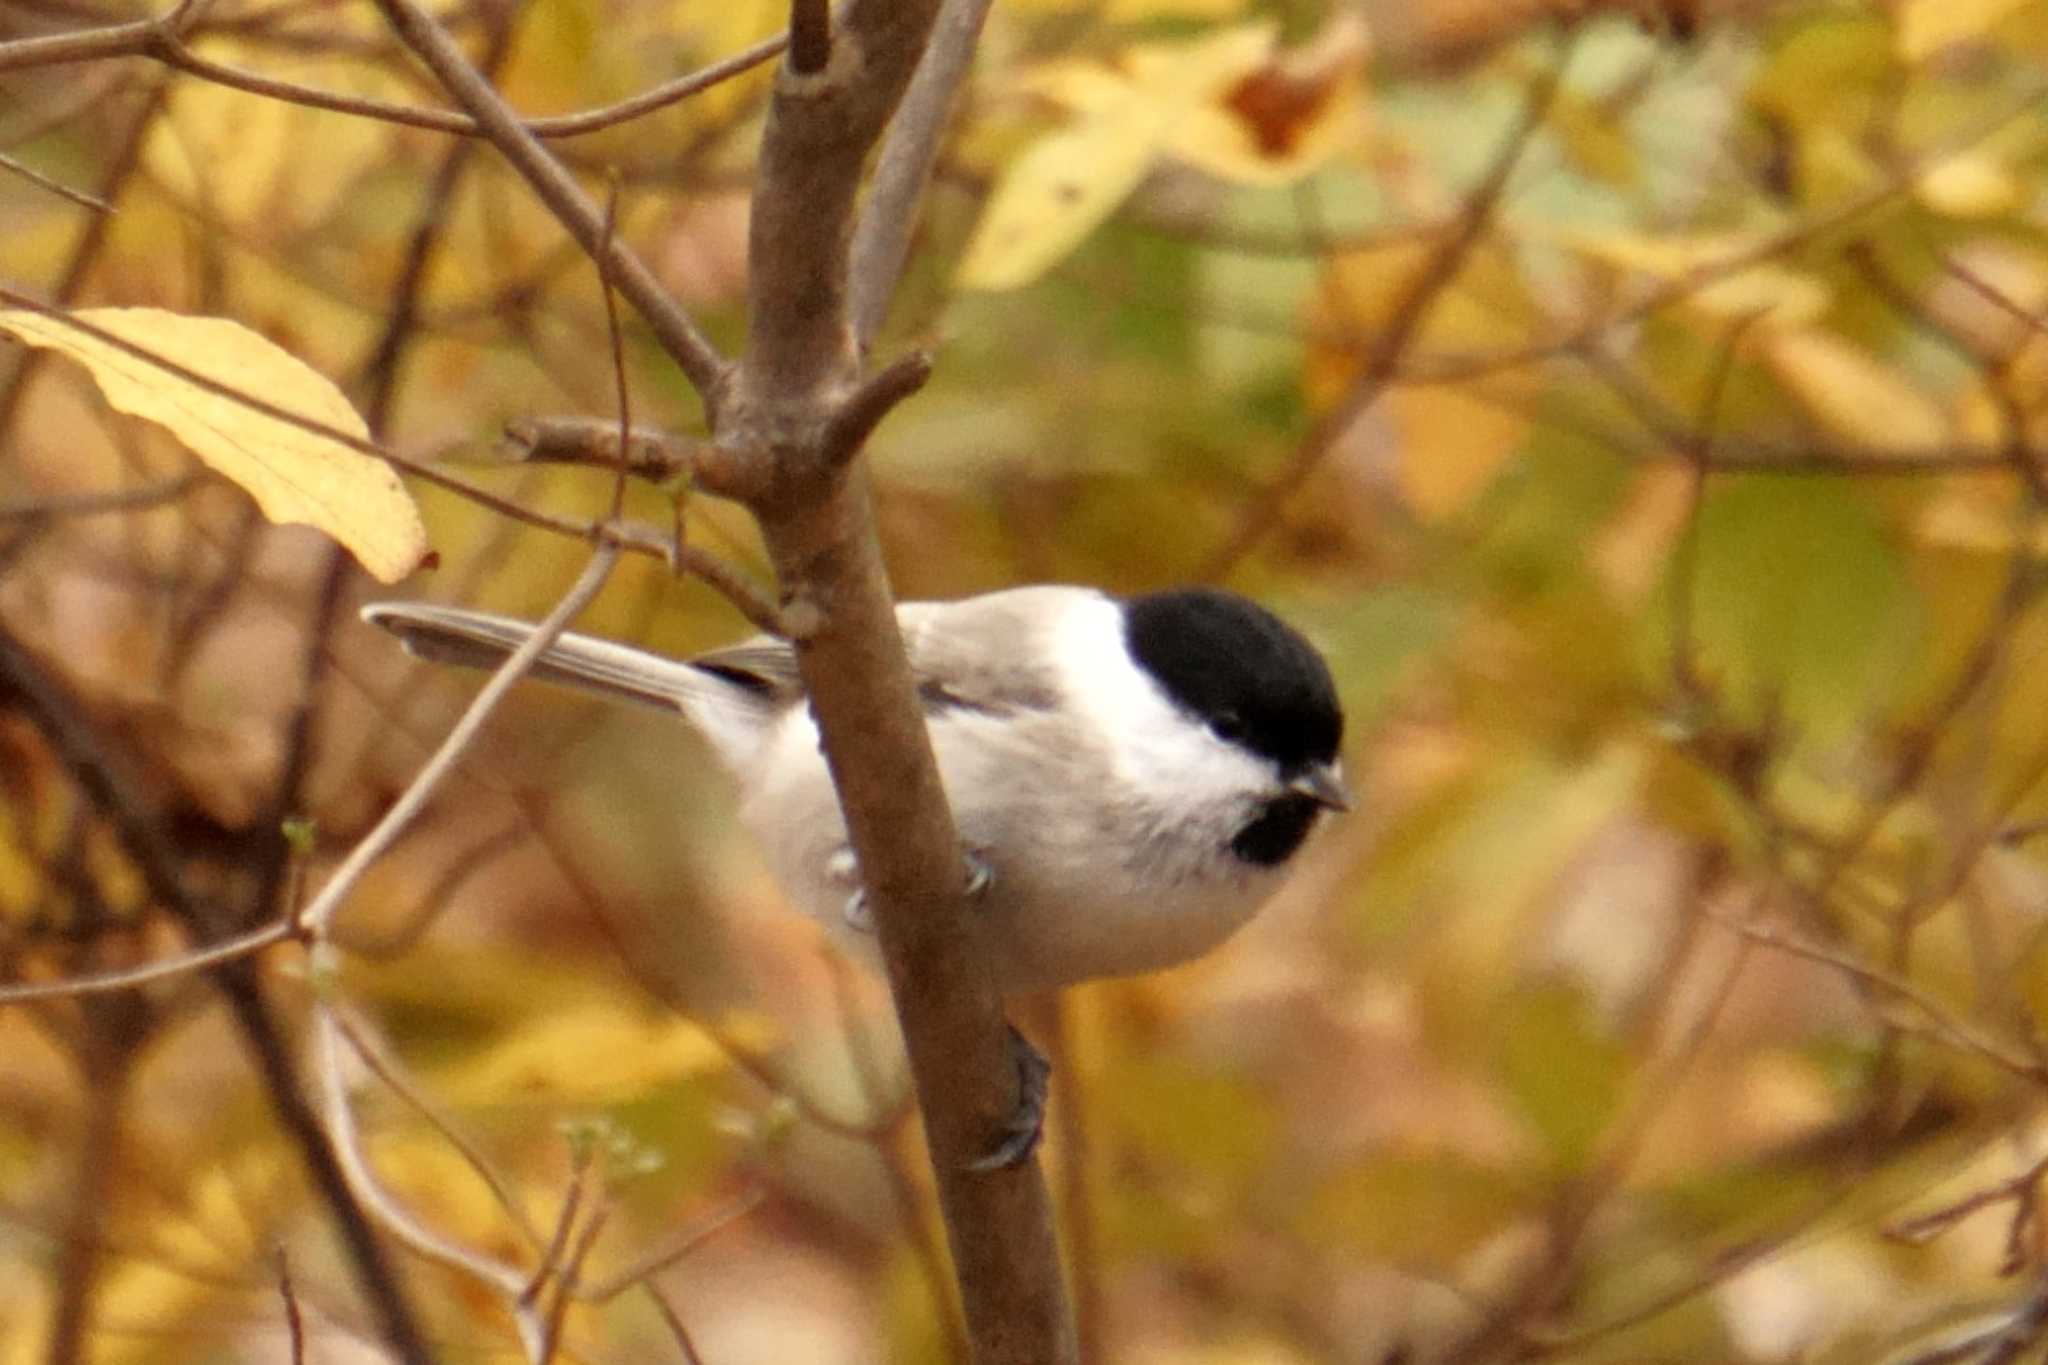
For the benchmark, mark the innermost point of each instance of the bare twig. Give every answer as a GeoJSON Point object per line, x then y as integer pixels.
{"type": "Point", "coordinates": [329, 1033]}
{"type": "Point", "coordinates": [85, 45]}
{"type": "Point", "coordinates": [2022, 1191]}
{"type": "Point", "coordinates": [175, 54]}
{"type": "Point", "coordinates": [903, 167]}
{"type": "Point", "coordinates": [294, 1326]}
{"type": "Point", "coordinates": [1445, 368]}
{"type": "Point", "coordinates": [56, 187]}
{"type": "Point", "coordinates": [659, 457]}
{"type": "Point", "coordinates": [556, 188]}
{"type": "Point", "coordinates": [61, 506]}
{"type": "Point", "coordinates": [674, 1321]}
{"type": "Point", "coordinates": [319, 916]}
{"type": "Point", "coordinates": [558, 1309]}
{"type": "Point", "coordinates": [673, 1249]}
{"type": "Point", "coordinates": [395, 1080]}
{"type": "Point", "coordinates": [329, 1038]}
{"type": "Point", "coordinates": [1935, 1018]}
{"type": "Point", "coordinates": [99, 983]}
{"type": "Point", "coordinates": [122, 165]}
{"type": "Point", "coordinates": [623, 391]}
{"type": "Point", "coordinates": [551, 1265]}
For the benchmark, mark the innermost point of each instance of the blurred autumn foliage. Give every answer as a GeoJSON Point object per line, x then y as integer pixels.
{"type": "Point", "coordinates": [1642, 404]}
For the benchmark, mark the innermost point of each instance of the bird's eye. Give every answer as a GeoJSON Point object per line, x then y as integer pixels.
{"type": "Point", "coordinates": [1227, 726]}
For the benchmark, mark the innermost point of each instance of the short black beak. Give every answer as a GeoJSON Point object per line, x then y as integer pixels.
{"type": "Point", "coordinates": [1322, 785]}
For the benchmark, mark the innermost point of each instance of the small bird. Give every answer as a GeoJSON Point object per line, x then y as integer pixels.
{"type": "Point", "coordinates": [1129, 776]}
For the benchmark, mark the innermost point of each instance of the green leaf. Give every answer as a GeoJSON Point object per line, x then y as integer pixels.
{"type": "Point", "coordinates": [1800, 604]}
{"type": "Point", "coordinates": [1564, 1072]}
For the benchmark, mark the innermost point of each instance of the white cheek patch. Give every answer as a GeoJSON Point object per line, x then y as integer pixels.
{"type": "Point", "coordinates": [1160, 752]}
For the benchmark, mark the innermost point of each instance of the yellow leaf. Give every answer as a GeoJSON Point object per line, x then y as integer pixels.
{"type": "Point", "coordinates": [293, 474]}
{"type": "Point", "coordinates": [1063, 185]}
{"type": "Point", "coordinates": [220, 1219]}
{"type": "Point", "coordinates": [1769, 293]}
{"type": "Point", "coordinates": [1285, 118]}
{"type": "Point", "coordinates": [1967, 185]}
{"type": "Point", "coordinates": [1057, 192]}
{"type": "Point", "coordinates": [1927, 26]}
{"type": "Point", "coordinates": [1452, 445]}
{"type": "Point", "coordinates": [1852, 393]}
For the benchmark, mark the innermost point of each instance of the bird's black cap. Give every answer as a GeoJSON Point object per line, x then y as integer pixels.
{"type": "Point", "coordinates": [1240, 670]}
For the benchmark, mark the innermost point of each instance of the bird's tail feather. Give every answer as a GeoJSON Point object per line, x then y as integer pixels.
{"type": "Point", "coordinates": [475, 639]}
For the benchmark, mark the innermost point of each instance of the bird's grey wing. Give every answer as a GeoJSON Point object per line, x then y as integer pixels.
{"type": "Point", "coordinates": [762, 664]}
{"type": "Point", "coordinates": [475, 639]}
{"type": "Point", "coordinates": [981, 654]}
{"type": "Point", "coordinates": [987, 653]}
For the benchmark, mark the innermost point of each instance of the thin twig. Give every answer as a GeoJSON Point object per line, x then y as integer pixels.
{"type": "Point", "coordinates": [675, 1248]}
{"type": "Point", "coordinates": [558, 1310]}
{"type": "Point", "coordinates": [1446, 368]}
{"type": "Point", "coordinates": [1939, 1022]}
{"type": "Point", "coordinates": [105, 778]}
{"type": "Point", "coordinates": [624, 390]}
{"type": "Point", "coordinates": [903, 166]}
{"type": "Point", "coordinates": [56, 187]}
{"type": "Point", "coordinates": [329, 1039]}
{"type": "Point", "coordinates": [319, 916]}
{"type": "Point", "coordinates": [387, 1070]}
{"type": "Point", "coordinates": [212, 955]}
{"type": "Point", "coordinates": [61, 506]}
{"type": "Point", "coordinates": [548, 179]}
{"type": "Point", "coordinates": [175, 54]}
{"type": "Point", "coordinates": [658, 457]}
{"type": "Point", "coordinates": [295, 1328]}
{"type": "Point", "coordinates": [674, 1322]}
{"type": "Point", "coordinates": [550, 1262]}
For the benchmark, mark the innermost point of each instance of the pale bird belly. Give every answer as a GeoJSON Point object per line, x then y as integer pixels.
{"type": "Point", "coordinates": [1058, 940]}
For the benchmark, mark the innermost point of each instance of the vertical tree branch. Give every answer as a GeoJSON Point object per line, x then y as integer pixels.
{"type": "Point", "coordinates": [800, 376]}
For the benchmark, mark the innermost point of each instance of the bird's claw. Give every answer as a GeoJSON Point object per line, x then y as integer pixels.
{"type": "Point", "coordinates": [1019, 1135]}
{"type": "Point", "coordinates": [862, 920]}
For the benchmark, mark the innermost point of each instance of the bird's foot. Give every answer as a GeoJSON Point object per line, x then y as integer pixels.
{"type": "Point", "coordinates": [845, 867]}
{"type": "Point", "coordinates": [1019, 1135]}
{"type": "Point", "coordinates": [980, 876]}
